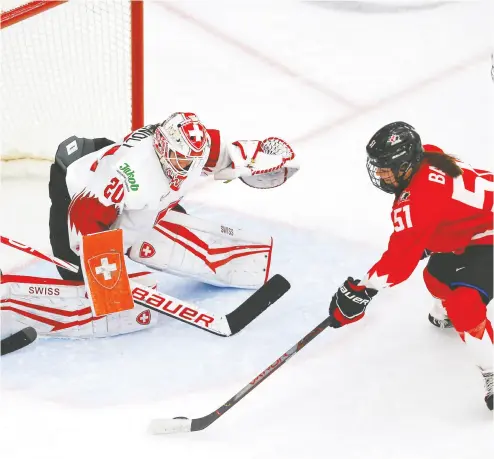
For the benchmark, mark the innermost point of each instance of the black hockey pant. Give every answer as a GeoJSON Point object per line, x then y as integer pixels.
{"type": "Point", "coordinates": [473, 268]}
{"type": "Point", "coordinates": [68, 152]}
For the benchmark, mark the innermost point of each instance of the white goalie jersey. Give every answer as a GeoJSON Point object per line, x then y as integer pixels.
{"type": "Point", "coordinates": [132, 183]}
{"type": "Point", "coordinates": [124, 185]}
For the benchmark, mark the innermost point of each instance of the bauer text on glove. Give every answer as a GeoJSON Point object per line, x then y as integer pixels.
{"type": "Point", "coordinates": [349, 303]}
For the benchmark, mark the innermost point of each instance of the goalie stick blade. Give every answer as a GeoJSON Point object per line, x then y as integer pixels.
{"type": "Point", "coordinates": [257, 303]}
{"type": "Point", "coordinates": [168, 426]}
{"type": "Point", "coordinates": [18, 340]}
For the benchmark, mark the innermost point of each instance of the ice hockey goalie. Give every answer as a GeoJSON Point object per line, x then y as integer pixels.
{"type": "Point", "coordinates": [135, 185]}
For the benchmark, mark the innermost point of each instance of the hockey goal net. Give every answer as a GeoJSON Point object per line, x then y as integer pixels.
{"type": "Point", "coordinates": [67, 68]}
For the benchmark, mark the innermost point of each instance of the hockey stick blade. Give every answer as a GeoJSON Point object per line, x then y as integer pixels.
{"type": "Point", "coordinates": [257, 303]}
{"type": "Point", "coordinates": [223, 326]}
{"type": "Point", "coordinates": [18, 340]}
{"type": "Point", "coordinates": [180, 424]}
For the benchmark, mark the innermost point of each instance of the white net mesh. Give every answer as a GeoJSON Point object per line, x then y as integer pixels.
{"type": "Point", "coordinates": [65, 71]}
{"type": "Point", "coordinates": [276, 146]}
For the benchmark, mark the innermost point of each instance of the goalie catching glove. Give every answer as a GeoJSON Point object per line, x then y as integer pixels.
{"type": "Point", "coordinates": [260, 164]}
{"type": "Point", "coordinates": [349, 303]}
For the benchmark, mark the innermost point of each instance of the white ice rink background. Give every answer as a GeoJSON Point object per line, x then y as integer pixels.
{"type": "Point", "coordinates": [324, 77]}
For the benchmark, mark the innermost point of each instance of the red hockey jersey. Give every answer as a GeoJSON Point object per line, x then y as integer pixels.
{"type": "Point", "coordinates": [438, 213]}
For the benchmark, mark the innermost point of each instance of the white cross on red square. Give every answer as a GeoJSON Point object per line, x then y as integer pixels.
{"type": "Point", "coordinates": [106, 269]}
{"type": "Point", "coordinates": [196, 133]}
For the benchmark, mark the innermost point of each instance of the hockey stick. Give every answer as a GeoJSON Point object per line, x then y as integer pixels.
{"type": "Point", "coordinates": [36, 253]}
{"type": "Point", "coordinates": [225, 326]}
{"type": "Point", "coordinates": [18, 340]}
{"type": "Point", "coordinates": [181, 424]}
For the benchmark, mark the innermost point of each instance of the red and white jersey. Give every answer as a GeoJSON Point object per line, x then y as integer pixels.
{"type": "Point", "coordinates": [124, 186]}
{"type": "Point", "coordinates": [438, 213]}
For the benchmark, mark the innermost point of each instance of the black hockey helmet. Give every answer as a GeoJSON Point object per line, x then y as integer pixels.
{"type": "Point", "coordinates": [396, 146]}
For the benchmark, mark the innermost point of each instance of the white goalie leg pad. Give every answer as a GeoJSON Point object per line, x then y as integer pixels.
{"type": "Point", "coordinates": [62, 309]}
{"type": "Point", "coordinates": [135, 319]}
{"type": "Point", "coordinates": [210, 252]}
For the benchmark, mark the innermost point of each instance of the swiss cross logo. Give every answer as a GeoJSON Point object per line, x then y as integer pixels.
{"type": "Point", "coordinates": [106, 269]}
{"type": "Point", "coordinates": [144, 318]}
{"type": "Point", "coordinates": [195, 135]}
{"type": "Point", "coordinates": [147, 250]}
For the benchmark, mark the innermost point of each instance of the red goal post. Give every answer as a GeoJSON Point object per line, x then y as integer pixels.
{"type": "Point", "coordinates": [73, 67]}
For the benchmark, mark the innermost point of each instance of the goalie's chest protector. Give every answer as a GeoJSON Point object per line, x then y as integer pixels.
{"type": "Point", "coordinates": [146, 185]}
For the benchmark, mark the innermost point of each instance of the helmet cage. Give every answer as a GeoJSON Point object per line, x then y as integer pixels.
{"type": "Point", "coordinates": [398, 150]}
{"type": "Point", "coordinates": [174, 141]}
{"type": "Point", "coordinates": [399, 172]}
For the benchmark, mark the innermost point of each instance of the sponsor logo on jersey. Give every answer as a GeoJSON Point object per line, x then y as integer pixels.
{"type": "Point", "coordinates": [129, 175]}
{"type": "Point", "coordinates": [144, 318]}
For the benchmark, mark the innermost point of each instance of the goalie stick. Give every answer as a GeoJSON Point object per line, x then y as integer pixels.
{"type": "Point", "coordinates": [182, 424]}
{"type": "Point", "coordinates": [225, 326]}
{"type": "Point", "coordinates": [18, 340]}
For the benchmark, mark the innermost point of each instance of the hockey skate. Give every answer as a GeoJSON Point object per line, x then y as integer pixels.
{"type": "Point", "coordinates": [488, 383]}
{"type": "Point", "coordinates": [438, 316]}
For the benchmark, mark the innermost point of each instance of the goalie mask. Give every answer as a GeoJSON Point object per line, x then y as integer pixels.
{"type": "Point", "coordinates": [182, 143]}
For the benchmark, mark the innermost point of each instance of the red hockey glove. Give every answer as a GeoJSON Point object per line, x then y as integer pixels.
{"type": "Point", "coordinates": [349, 302]}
